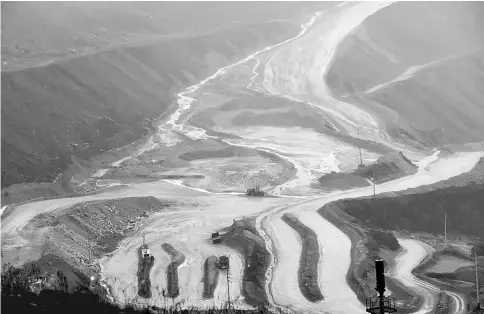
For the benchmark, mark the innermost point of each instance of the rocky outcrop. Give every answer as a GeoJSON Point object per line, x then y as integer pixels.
{"type": "Point", "coordinates": [391, 166]}
{"type": "Point", "coordinates": [92, 229]}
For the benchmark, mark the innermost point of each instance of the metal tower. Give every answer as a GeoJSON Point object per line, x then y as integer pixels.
{"type": "Point", "coordinates": [380, 304]}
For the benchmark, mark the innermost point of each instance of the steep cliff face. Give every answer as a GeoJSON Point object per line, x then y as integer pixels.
{"type": "Point", "coordinates": [418, 66]}
{"type": "Point", "coordinates": [82, 105]}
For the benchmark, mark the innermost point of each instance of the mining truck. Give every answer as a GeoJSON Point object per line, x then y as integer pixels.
{"type": "Point", "coordinates": [223, 262]}
{"type": "Point", "coordinates": [255, 191]}
{"type": "Point", "coordinates": [216, 238]}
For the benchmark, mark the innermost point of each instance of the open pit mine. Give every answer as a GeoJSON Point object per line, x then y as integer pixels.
{"type": "Point", "coordinates": [306, 157]}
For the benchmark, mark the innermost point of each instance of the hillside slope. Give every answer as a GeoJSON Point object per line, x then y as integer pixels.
{"type": "Point", "coordinates": [422, 209]}
{"type": "Point", "coordinates": [418, 66]}
{"type": "Point", "coordinates": [38, 33]}
{"type": "Point", "coordinates": [85, 105]}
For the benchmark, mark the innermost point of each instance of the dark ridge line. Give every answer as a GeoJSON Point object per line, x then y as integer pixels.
{"type": "Point", "coordinates": [309, 260]}
{"type": "Point", "coordinates": [144, 268]}
{"type": "Point", "coordinates": [210, 283]}
{"type": "Point", "coordinates": [177, 259]}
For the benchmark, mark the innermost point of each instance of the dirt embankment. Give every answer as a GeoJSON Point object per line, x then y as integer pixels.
{"type": "Point", "coordinates": [243, 237]}
{"type": "Point", "coordinates": [388, 167]}
{"type": "Point", "coordinates": [368, 245]}
{"type": "Point", "coordinates": [177, 258]}
{"type": "Point", "coordinates": [67, 237]}
{"type": "Point", "coordinates": [145, 263]}
{"type": "Point", "coordinates": [309, 260]}
{"type": "Point", "coordinates": [210, 276]}
{"type": "Point", "coordinates": [423, 212]}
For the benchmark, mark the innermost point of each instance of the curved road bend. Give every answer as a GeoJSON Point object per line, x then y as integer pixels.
{"type": "Point", "coordinates": [414, 252]}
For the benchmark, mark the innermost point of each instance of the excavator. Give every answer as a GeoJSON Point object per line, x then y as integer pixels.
{"type": "Point", "coordinates": [255, 191]}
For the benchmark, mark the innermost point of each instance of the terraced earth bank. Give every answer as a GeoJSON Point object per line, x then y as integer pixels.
{"type": "Point", "coordinates": [152, 135]}
{"type": "Point", "coordinates": [177, 259]}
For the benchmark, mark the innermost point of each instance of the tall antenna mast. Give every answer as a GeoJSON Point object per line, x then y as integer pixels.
{"type": "Point", "coordinates": [143, 239]}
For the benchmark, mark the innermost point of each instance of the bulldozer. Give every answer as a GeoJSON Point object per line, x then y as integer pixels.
{"type": "Point", "coordinates": [255, 191]}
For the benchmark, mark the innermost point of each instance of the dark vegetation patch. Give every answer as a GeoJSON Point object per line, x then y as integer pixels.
{"type": "Point", "coordinates": [378, 239]}
{"type": "Point", "coordinates": [21, 294]}
{"type": "Point", "coordinates": [177, 258]}
{"type": "Point", "coordinates": [210, 276]}
{"type": "Point", "coordinates": [421, 212]}
{"type": "Point", "coordinates": [243, 237]}
{"type": "Point", "coordinates": [309, 259]}
{"type": "Point", "coordinates": [145, 263]}
{"type": "Point", "coordinates": [90, 229]}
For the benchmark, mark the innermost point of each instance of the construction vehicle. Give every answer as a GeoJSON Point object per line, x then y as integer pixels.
{"type": "Point", "coordinates": [216, 238]}
{"type": "Point", "coordinates": [223, 262]}
{"type": "Point", "coordinates": [255, 191]}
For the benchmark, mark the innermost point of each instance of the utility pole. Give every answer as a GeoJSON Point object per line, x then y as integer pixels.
{"type": "Point", "coordinates": [445, 229]}
{"type": "Point", "coordinates": [228, 289]}
{"type": "Point", "coordinates": [359, 147]}
{"type": "Point", "coordinates": [89, 263]}
{"type": "Point", "coordinates": [477, 277]}
{"type": "Point", "coordinates": [373, 183]}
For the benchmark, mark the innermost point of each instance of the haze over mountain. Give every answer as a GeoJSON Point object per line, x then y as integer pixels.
{"type": "Point", "coordinates": [421, 67]}
{"type": "Point", "coordinates": [104, 71]}
{"type": "Point", "coordinates": [300, 140]}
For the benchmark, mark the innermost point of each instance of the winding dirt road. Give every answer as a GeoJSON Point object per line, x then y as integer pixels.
{"type": "Point", "coordinates": [334, 244]}
{"type": "Point", "coordinates": [414, 252]}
